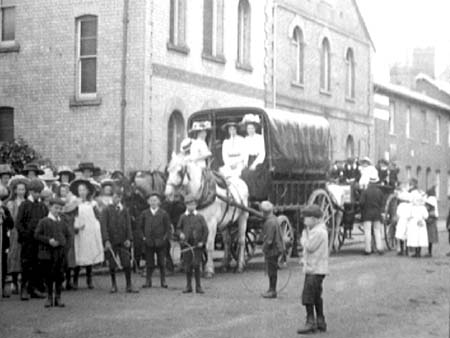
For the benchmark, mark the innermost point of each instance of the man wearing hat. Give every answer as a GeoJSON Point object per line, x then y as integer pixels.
{"type": "Point", "coordinates": [199, 151]}
{"type": "Point", "coordinates": [6, 173]}
{"type": "Point", "coordinates": [233, 151]}
{"type": "Point", "coordinates": [272, 247]}
{"type": "Point", "coordinates": [32, 171]}
{"type": "Point", "coordinates": [30, 213]}
{"type": "Point", "coordinates": [315, 266]}
{"type": "Point", "coordinates": [154, 224]}
{"type": "Point", "coordinates": [193, 234]}
{"type": "Point", "coordinates": [54, 237]}
{"type": "Point", "coordinates": [372, 203]}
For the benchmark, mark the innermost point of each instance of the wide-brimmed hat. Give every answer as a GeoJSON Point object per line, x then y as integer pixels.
{"type": "Point", "coordinates": [88, 166]}
{"type": "Point", "coordinates": [185, 145]}
{"type": "Point", "coordinates": [199, 126]}
{"type": "Point", "coordinates": [5, 169]}
{"type": "Point", "coordinates": [32, 167]}
{"type": "Point", "coordinates": [48, 175]}
{"type": "Point", "coordinates": [312, 210]}
{"type": "Point", "coordinates": [230, 124]}
{"type": "Point", "coordinates": [65, 170]}
{"type": "Point", "coordinates": [365, 160]}
{"type": "Point", "coordinates": [16, 180]}
{"type": "Point", "coordinates": [117, 174]}
{"type": "Point", "coordinates": [79, 181]}
{"type": "Point", "coordinates": [36, 185]}
{"type": "Point", "coordinates": [107, 181]}
{"type": "Point", "coordinates": [251, 119]}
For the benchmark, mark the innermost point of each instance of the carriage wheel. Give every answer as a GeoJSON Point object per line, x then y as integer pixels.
{"type": "Point", "coordinates": [389, 225]}
{"type": "Point", "coordinates": [321, 198]}
{"type": "Point", "coordinates": [250, 245]}
{"type": "Point", "coordinates": [287, 234]}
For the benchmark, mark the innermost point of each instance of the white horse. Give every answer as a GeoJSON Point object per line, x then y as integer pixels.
{"type": "Point", "coordinates": [187, 176]}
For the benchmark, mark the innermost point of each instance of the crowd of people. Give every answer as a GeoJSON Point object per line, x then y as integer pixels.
{"type": "Point", "coordinates": [53, 226]}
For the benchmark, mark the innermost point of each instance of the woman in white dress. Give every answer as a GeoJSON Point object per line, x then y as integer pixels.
{"type": "Point", "coordinates": [199, 151]}
{"type": "Point", "coordinates": [88, 243]}
{"type": "Point", "coordinates": [417, 236]}
{"type": "Point", "coordinates": [234, 154]}
{"type": "Point", "coordinates": [403, 215]}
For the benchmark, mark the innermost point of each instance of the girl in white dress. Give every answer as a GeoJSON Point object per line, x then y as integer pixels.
{"type": "Point", "coordinates": [403, 215]}
{"type": "Point", "coordinates": [199, 151]}
{"type": "Point", "coordinates": [233, 152]}
{"type": "Point", "coordinates": [417, 236]}
{"type": "Point", "coordinates": [88, 243]}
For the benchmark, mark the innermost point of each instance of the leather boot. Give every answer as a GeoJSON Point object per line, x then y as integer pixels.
{"type": "Point", "coordinates": [188, 288]}
{"type": "Point", "coordinates": [69, 285]}
{"type": "Point", "coordinates": [162, 272]}
{"type": "Point", "coordinates": [198, 285]}
{"type": "Point", "coordinates": [308, 328]}
{"type": "Point", "coordinates": [89, 277]}
{"type": "Point", "coordinates": [321, 324]}
{"type": "Point", "coordinates": [129, 288]}
{"type": "Point", "coordinates": [148, 279]}
{"type": "Point", "coordinates": [113, 282]}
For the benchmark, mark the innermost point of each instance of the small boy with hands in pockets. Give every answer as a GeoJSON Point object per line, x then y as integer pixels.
{"type": "Point", "coordinates": [315, 259]}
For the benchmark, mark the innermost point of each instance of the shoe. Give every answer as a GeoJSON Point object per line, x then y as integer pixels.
{"type": "Point", "coordinates": [400, 253]}
{"type": "Point", "coordinates": [308, 328]}
{"type": "Point", "coordinates": [367, 253]}
{"type": "Point", "coordinates": [90, 286]}
{"type": "Point", "coordinates": [48, 302]}
{"type": "Point", "coordinates": [24, 295]}
{"type": "Point", "coordinates": [269, 294]}
{"type": "Point", "coordinates": [188, 289]}
{"type": "Point", "coordinates": [113, 289]}
{"type": "Point", "coordinates": [164, 285]}
{"type": "Point", "coordinates": [321, 324]}
{"type": "Point", "coordinates": [130, 289]}
{"type": "Point", "coordinates": [58, 302]}
{"type": "Point", "coordinates": [199, 290]}
{"type": "Point", "coordinates": [380, 253]}
{"type": "Point", "coordinates": [147, 285]}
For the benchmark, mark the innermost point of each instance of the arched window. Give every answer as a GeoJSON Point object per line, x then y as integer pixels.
{"type": "Point", "coordinates": [6, 124]}
{"type": "Point", "coordinates": [213, 28]}
{"type": "Point", "coordinates": [177, 34]}
{"type": "Point", "coordinates": [350, 64]}
{"type": "Point", "coordinates": [175, 132]}
{"type": "Point", "coordinates": [325, 66]}
{"type": "Point", "coordinates": [350, 147]}
{"type": "Point", "coordinates": [299, 54]}
{"type": "Point", "coordinates": [244, 33]}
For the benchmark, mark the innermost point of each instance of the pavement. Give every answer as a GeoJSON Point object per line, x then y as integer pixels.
{"type": "Point", "coordinates": [364, 296]}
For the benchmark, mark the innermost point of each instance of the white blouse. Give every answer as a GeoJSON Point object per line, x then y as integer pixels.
{"type": "Point", "coordinates": [254, 146]}
{"type": "Point", "coordinates": [233, 151]}
{"type": "Point", "coordinates": [199, 150]}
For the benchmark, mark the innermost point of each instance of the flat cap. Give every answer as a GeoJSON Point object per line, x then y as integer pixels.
{"type": "Point", "coordinates": [266, 206]}
{"type": "Point", "coordinates": [312, 211]}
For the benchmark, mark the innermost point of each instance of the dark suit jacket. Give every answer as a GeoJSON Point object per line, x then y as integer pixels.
{"type": "Point", "coordinates": [273, 242]}
{"type": "Point", "coordinates": [155, 228]}
{"type": "Point", "coordinates": [28, 216]}
{"type": "Point", "coordinates": [116, 225]}
{"type": "Point", "coordinates": [48, 228]}
{"type": "Point", "coordinates": [194, 229]}
{"type": "Point", "coordinates": [372, 203]}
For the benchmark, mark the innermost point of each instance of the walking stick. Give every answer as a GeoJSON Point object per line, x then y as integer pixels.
{"type": "Point", "coordinates": [117, 261]}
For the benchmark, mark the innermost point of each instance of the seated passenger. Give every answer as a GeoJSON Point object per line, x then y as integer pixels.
{"type": "Point", "coordinates": [233, 152]}
{"type": "Point", "coordinates": [351, 171]}
{"type": "Point", "coordinates": [199, 152]}
{"type": "Point", "coordinates": [367, 170]}
{"type": "Point", "coordinates": [383, 171]}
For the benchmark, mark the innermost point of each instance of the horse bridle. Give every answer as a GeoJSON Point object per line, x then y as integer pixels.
{"type": "Point", "coordinates": [182, 174]}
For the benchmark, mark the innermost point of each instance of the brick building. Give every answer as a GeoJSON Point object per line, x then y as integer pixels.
{"type": "Point", "coordinates": [413, 130]}
{"type": "Point", "coordinates": [113, 81]}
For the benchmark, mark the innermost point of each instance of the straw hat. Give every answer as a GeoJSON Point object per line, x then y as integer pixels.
{"type": "Point", "coordinates": [251, 119]}
{"type": "Point", "coordinates": [48, 175]}
{"type": "Point", "coordinates": [107, 181]}
{"type": "Point", "coordinates": [230, 124]}
{"type": "Point", "coordinates": [5, 169]}
{"type": "Point", "coordinates": [76, 183]}
{"type": "Point", "coordinates": [65, 170]}
{"type": "Point", "coordinates": [365, 160]}
{"type": "Point", "coordinates": [199, 126]}
{"type": "Point", "coordinates": [16, 180]}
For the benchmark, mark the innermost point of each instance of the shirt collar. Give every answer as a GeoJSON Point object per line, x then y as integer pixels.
{"type": "Point", "coordinates": [30, 198]}
{"type": "Point", "coordinates": [187, 213]}
{"type": "Point", "coordinates": [119, 206]}
{"type": "Point", "coordinates": [154, 211]}
{"type": "Point", "coordinates": [52, 217]}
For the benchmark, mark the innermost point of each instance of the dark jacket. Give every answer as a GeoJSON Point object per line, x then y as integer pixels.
{"type": "Point", "coordinates": [116, 225]}
{"type": "Point", "coordinates": [28, 217]}
{"type": "Point", "coordinates": [194, 228]}
{"type": "Point", "coordinates": [48, 228]}
{"type": "Point", "coordinates": [272, 240]}
{"type": "Point", "coordinates": [155, 228]}
{"type": "Point", "coordinates": [7, 225]}
{"type": "Point", "coordinates": [372, 203]}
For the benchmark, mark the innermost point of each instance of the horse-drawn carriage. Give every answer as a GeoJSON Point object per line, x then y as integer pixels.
{"type": "Point", "coordinates": [297, 162]}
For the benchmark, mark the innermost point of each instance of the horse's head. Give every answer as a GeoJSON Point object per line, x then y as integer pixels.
{"type": "Point", "coordinates": [176, 175]}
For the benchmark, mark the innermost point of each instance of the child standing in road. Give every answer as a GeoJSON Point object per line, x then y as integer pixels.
{"type": "Point", "coordinates": [315, 260]}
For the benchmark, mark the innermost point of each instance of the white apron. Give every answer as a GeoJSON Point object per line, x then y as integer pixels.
{"type": "Point", "coordinates": [88, 242]}
{"type": "Point", "coordinates": [417, 235]}
{"type": "Point", "coordinates": [403, 215]}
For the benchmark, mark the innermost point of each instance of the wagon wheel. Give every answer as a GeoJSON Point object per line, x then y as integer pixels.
{"type": "Point", "coordinates": [340, 230]}
{"type": "Point", "coordinates": [321, 198]}
{"type": "Point", "coordinates": [389, 223]}
{"type": "Point", "coordinates": [250, 245]}
{"type": "Point", "coordinates": [287, 234]}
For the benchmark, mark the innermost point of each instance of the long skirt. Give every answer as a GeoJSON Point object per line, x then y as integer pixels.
{"type": "Point", "coordinates": [432, 230]}
{"type": "Point", "coordinates": [14, 265]}
{"type": "Point", "coordinates": [417, 235]}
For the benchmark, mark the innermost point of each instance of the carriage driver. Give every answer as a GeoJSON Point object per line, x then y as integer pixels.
{"type": "Point", "coordinates": [199, 151]}
{"type": "Point", "coordinates": [233, 152]}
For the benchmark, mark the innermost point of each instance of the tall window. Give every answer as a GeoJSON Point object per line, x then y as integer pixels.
{"type": "Point", "coordinates": [177, 23]}
{"type": "Point", "coordinates": [325, 66]}
{"type": "Point", "coordinates": [391, 117]}
{"type": "Point", "coordinates": [8, 23]}
{"type": "Point", "coordinates": [6, 124]}
{"type": "Point", "coordinates": [408, 123]}
{"type": "Point", "coordinates": [350, 63]}
{"type": "Point", "coordinates": [424, 124]}
{"type": "Point", "coordinates": [299, 55]}
{"type": "Point", "coordinates": [428, 179]}
{"type": "Point", "coordinates": [175, 132]}
{"type": "Point", "coordinates": [213, 28]}
{"type": "Point", "coordinates": [350, 146]}
{"type": "Point", "coordinates": [438, 130]}
{"type": "Point", "coordinates": [438, 184]}
{"type": "Point", "coordinates": [419, 173]}
{"type": "Point", "coordinates": [87, 56]}
{"type": "Point", "coordinates": [244, 33]}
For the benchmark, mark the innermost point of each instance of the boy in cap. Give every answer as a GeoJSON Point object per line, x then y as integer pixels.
{"type": "Point", "coordinates": [272, 247]}
{"type": "Point", "coordinates": [117, 237]}
{"type": "Point", "coordinates": [53, 236]}
{"type": "Point", "coordinates": [193, 232]}
{"type": "Point", "coordinates": [315, 266]}
{"type": "Point", "coordinates": [31, 211]}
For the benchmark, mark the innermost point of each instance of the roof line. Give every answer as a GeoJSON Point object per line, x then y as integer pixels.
{"type": "Point", "coordinates": [363, 23]}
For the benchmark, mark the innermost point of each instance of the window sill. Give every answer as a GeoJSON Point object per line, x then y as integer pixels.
{"type": "Point", "coordinates": [244, 66]}
{"type": "Point", "coordinates": [325, 92]}
{"type": "Point", "coordinates": [182, 49]}
{"type": "Point", "coordinates": [297, 84]}
{"type": "Point", "coordinates": [9, 47]}
{"type": "Point", "coordinates": [214, 58]}
{"type": "Point", "coordinates": [77, 102]}
{"type": "Point", "coordinates": [350, 99]}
